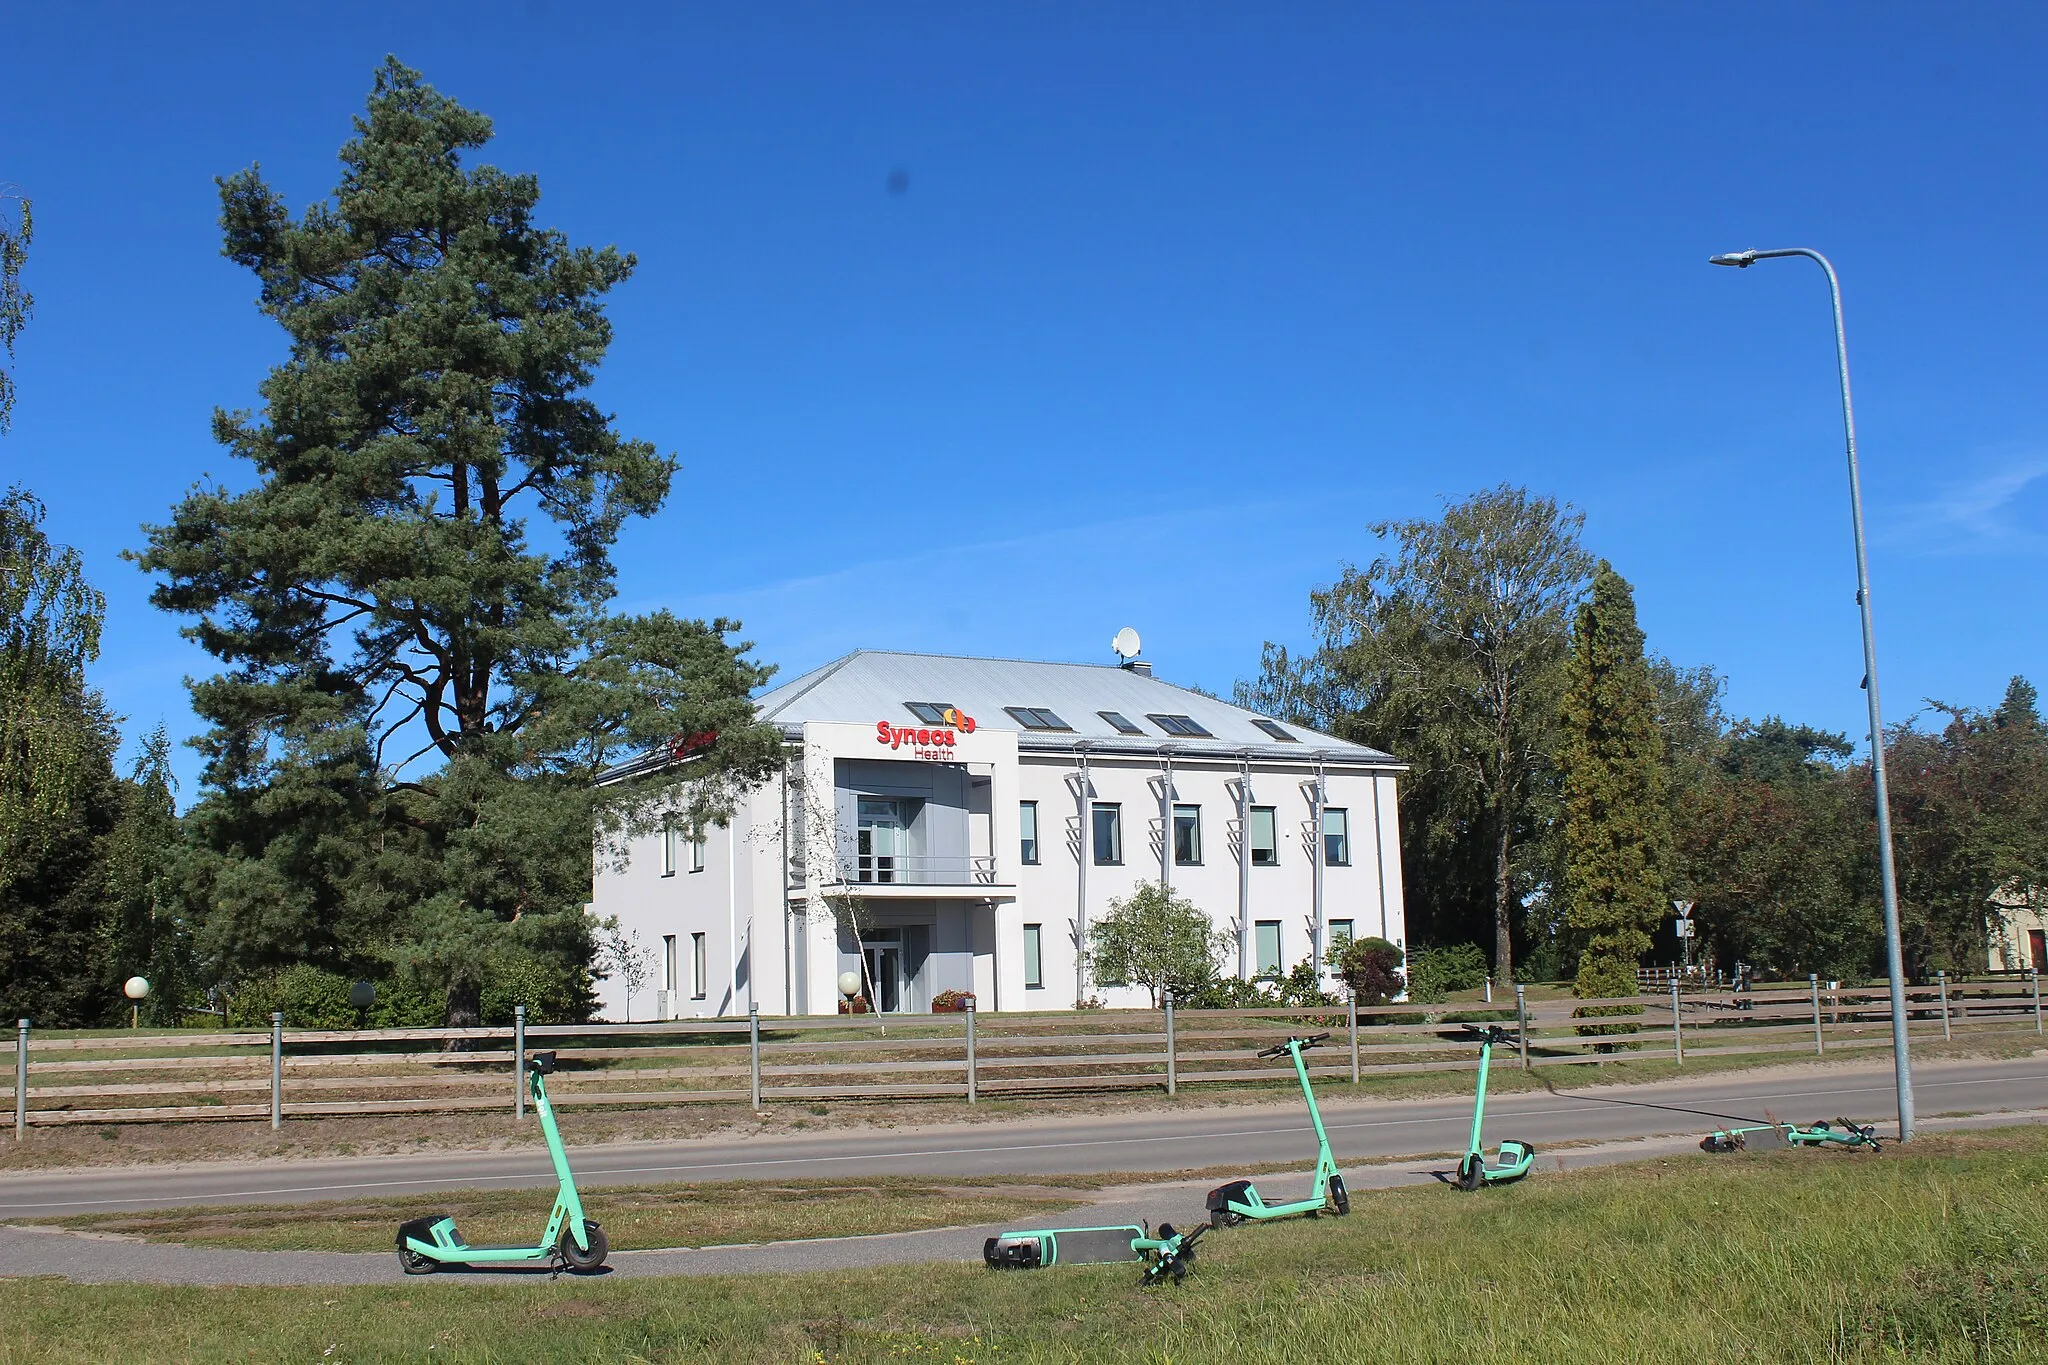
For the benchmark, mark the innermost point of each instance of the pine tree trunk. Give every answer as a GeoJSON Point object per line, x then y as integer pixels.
{"type": "Point", "coordinates": [1503, 903]}
{"type": "Point", "coordinates": [465, 1008]}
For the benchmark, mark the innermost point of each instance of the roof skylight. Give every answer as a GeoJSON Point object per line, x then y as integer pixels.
{"type": "Point", "coordinates": [1121, 723]}
{"type": "Point", "coordinates": [1182, 726]}
{"type": "Point", "coordinates": [1037, 718]}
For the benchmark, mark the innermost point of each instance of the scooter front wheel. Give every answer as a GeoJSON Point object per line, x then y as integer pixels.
{"type": "Point", "coordinates": [575, 1257]}
{"type": "Point", "coordinates": [1469, 1175]}
{"type": "Point", "coordinates": [1340, 1196]}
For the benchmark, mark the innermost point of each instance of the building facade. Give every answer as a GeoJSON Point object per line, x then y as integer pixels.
{"type": "Point", "coordinates": [972, 817]}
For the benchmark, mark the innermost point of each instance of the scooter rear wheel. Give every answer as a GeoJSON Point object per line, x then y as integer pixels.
{"type": "Point", "coordinates": [575, 1257]}
{"type": "Point", "coordinates": [413, 1263]}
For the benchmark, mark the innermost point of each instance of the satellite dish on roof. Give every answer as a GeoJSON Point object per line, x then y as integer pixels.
{"type": "Point", "coordinates": [1125, 644]}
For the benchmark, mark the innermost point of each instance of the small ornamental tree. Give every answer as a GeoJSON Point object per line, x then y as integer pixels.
{"type": "Point", "coordinates": [1155, 939]}
{"type": "Point", "coordinates": [1371, 967]}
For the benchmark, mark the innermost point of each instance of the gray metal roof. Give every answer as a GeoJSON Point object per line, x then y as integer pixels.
{"type": "Point", "coordinates": [871, 685]}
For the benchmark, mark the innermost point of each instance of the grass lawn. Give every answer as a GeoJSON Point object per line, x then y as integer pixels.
{"type": "Point", "coordinates": [1938, 1253]}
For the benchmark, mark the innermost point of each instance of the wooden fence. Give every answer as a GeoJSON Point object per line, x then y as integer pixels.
{"type": "Point", "coordinates": [309, 1073]}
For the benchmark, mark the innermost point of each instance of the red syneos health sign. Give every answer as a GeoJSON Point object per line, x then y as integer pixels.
{"type": "Point", "coordinates": [927, 741]}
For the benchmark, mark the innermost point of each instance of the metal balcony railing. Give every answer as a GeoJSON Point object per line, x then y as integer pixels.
{"type": "Point", "coordinates": [881, 869]}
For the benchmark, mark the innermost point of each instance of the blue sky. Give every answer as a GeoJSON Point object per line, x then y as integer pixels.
{"type": "Point", "coordinates": [1175, 301]}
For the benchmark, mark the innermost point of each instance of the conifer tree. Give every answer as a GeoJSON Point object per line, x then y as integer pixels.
{"type": "Point", "coordinates": [1617, 826]}
{"type": "Point", "coordinates": [410, 595]}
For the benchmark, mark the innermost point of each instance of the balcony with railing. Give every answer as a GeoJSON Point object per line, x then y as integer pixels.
{"type": "Point", "coordinates": [904, 869]}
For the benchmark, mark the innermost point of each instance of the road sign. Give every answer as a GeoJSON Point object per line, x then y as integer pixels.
{"type": "Point", "coordinates": [1685, 928]}
{"type": "Point", "coordinates": [1684, 909]}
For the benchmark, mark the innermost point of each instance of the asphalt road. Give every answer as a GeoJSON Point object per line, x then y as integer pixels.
{"type": "Point", "coordinates": [1147, 1141]}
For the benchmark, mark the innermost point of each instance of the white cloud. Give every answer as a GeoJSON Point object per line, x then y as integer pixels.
{"type": "Point", "coordinates": [1991, 513]}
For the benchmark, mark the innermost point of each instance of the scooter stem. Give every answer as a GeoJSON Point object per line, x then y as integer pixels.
{"type": "Point", "coordinates": [567, 1182]}
{"type": "Point", "coordinates": [1479, 1105]}
{"type": "Point", "coordinates": [1325, 1163]}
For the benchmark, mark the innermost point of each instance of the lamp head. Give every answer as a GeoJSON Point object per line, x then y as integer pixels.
{"type": "Point", "coordinates": [1741, 260]}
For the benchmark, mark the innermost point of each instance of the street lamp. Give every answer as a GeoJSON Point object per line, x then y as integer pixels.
{"type": "Point", "coordinates": [1894, 956]}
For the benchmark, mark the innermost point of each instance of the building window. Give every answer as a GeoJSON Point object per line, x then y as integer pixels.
{"type": "Point", "coordinates": [1186, 727]}
{"type": "Point", "coordinates": [1027, 833]}
{"type": "Point", "coordinates": [699, 967]}
{"type": "Point", "coordinates": [1265, 840]}
{"type": "Point", "coordinates": [1187, 836]}
{"type": "Point", "coordinates": [1120, 723]}
{"type": "Point", "coordinates": [1340, 932]}
{"type": "Point", "coordinates": [1034, 964]}
{"type": "Point", "coordinates": [1037, 718]}
{"type": "Point", "coordinates": [668, 848]}
{"type": "Point", "coordinates": [1336, 838]}
{"type": "Point", "coordinates": [1267, 944]}
{"type": "Point", "coordinates": [1273, 728]}
{"type": "Point", "coordinates": [930, 712]}
{"type": "Point", "coordinates": [697, 853]}
{"type": "Point", "coordinates": [1109, 834]}
{"type": "Point", "coordinates": [668, 963]}
{"type": "Point", "coordinates": [880, 840]}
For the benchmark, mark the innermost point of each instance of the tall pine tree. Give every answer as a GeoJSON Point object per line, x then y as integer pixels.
{"type": "Point", "coordinates": [1617, 826]}
{"type": "Point", "coordinates": [422, 674]}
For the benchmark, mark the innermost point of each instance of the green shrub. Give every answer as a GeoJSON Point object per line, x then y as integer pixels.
{"type": "Point", "coordinates": [1433, 973]}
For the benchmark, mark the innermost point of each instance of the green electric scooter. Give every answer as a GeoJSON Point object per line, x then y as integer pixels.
{"type": "Point", "coordinates": [1514, 1158]}
{"type": "Point", "coordinates": [1771, 1137]}
{"type": "Point", "coordinates": [571, 1242]}
{"type": "Point", "coordinates": [1170, 1253]}
{"type": "Point", "coordinates": [1234, 1203]}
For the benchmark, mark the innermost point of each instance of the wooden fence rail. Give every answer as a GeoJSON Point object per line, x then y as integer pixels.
{"type": "Point", "coordinates": [132, 1077]}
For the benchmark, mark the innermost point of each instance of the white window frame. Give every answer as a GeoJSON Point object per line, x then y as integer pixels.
{"type": "Point", "coordinates": [1279, 963]}
{"type": "Point", "coordinates": [1195, 831]}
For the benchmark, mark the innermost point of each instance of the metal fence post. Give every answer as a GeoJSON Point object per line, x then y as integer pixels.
{"type": "Point", "coordinates": [1813, 985]}
{"type": "Point", "coordinates": [1172, 1061]}
{"type": "Point", "coordinates": [2035, 974]}
{"type": "Point", "coordinates": [1354, 1037]}
{"type": "Point", "coordinates": [754, 1051]}
{"type": "Point", "coordinates": [1677, 1030]}
{"type": "Point", "coordinates": [519, 1061]}
{"type": "Point", "coordinates": [1941, 978]}
{"type": "Point", "coordinates": [1522, 1023]}
{"type": "Point", "coordinates": [277, 1068]}
{"type": "Point", "coordinates": [21, 1075]}
{"type": "Point", "coordinates": [968, 1006]}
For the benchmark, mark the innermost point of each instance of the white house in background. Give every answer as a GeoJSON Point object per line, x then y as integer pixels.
{"type": "Point", "coordinates": [2018, 927]}
{"type": "Point", "coordinates": [986, 811]}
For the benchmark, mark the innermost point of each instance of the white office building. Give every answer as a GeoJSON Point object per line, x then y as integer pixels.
{"type": "Point", "coordinates": [982, 813]}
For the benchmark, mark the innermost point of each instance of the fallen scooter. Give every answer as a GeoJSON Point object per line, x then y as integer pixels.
{"type": "Point", "coordinates": [1514, 1158]}
{"type": "Point", "coordinates": [1239, 1200]}
{"type": "Point", "coordinates": [571, 1241]}
{"type": "Point", "coordinates": [1772, 1137]}
{"type": "Point", "coordinates": [1170, 1253]}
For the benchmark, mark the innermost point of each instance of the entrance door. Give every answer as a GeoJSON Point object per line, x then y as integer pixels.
{"type": "Point", "coordinates": [880, 839]}
{"type": "Point", "coordinates": [885, 977]}
{"type": "Point", "coordinates": [2037, 948]}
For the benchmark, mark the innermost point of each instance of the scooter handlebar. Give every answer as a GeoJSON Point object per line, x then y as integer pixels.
{"type": "Point", "coordinates": [1280, 1049]}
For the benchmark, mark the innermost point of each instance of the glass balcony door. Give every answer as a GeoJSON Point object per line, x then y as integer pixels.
{"type": "Point", "coordinates": [880, 840]}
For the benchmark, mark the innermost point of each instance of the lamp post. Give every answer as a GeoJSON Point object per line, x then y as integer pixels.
{"type": "Point", "coordinates": [1894, 955]}
{"type": "Point", "coordinates": [137, 990]}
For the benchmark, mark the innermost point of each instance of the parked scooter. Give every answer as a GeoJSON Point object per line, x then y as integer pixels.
{"type": "Point", "coordinates": [1514, 1158]}
{"type": "Point", "coordinates": [1239, 1200]}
